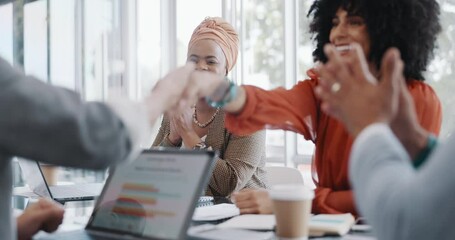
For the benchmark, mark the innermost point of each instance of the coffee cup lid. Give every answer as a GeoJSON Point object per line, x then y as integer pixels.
{"type": "Point", "coordinates": [291, 192]}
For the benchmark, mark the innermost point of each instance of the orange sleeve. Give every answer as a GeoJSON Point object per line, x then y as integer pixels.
{"type": "Point", "coordinates": [293, 110]}
{"type": "Point", "coordinates": [428, 106]}
{"type": "Point", "coordinates": [333, 202]}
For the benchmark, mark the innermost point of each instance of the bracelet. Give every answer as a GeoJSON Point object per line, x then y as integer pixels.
{"type": "Point", "coordinates": [200, 146]}
{"type": "Point", "coordinates": [425, 152]}
{"type": "Point", "coordinates": [228, 96]}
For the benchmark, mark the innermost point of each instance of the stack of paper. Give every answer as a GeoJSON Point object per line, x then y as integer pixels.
{"type": "Point", "coordinates": [215, 212]}
{"type": "Point", "coordinates": [250, 221]}
{"type": "Point", "coordinates": [208, 231]}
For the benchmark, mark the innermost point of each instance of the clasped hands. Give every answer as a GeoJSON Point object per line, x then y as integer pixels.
{"type": "Point", "coordinates": [181, 128]}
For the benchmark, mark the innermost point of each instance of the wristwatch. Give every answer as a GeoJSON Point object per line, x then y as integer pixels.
{"type": "Point", "coordinates": [200, 146]}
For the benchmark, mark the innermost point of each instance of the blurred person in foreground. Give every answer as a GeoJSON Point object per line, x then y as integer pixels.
{"type": "Point", "coordinates": [53, 125]}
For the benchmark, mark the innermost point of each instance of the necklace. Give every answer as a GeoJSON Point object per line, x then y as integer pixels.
{"type": "Point", "coordinates": [204, 125]}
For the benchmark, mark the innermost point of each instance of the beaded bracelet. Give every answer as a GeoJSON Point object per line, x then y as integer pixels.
{"type": "Point", "coordinates": [229, 95]}
{"type": "Point", "coordinates": [425, 152]}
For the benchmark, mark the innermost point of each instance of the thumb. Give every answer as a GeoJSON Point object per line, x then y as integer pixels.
{"type": "Point", "coordinates": [391, 72]}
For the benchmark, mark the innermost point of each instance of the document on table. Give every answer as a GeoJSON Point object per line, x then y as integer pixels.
{"type": "Point", "coordinates": [250, 221]}
{"type": "Point", "coordinates": [357, 237]}
{"type": "Point", "coordinates": [215, 212]}
{"type": "Point", "coordinates": [209, 231]}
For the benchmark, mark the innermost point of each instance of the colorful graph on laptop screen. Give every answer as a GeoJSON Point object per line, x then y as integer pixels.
{"type": "Point", "coordinates": [151, 196]}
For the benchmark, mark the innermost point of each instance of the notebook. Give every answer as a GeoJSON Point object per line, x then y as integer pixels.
{"type": "Point", "coordinates": [320, 225]}
{"type": "Point", "coordinates": [153, 197]}
{"type": "Point", "coordinates": [33, 176]}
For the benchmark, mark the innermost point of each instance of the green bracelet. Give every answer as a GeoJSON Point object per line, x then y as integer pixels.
{"type": "Point", "coordinates": [228, 96]}
{"type": "Point", "coordinates": [425, 152]}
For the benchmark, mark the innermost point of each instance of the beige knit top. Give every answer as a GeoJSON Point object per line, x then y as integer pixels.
{"type": "Point", "coordinates": [241, 159]}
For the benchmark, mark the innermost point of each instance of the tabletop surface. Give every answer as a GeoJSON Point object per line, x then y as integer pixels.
{"type": "Point", "coordinates": [77, 215]}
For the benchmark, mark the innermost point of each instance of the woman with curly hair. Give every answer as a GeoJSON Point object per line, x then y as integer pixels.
{"type": "Point", "coordinates": [409, 25]}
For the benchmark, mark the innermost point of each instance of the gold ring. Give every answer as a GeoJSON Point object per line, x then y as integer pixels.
{"type": "Point", "coordinates": [335, 87]}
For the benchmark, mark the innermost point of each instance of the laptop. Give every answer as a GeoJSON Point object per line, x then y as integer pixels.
{"type": "Point", "coordinates": [33, 176]}
{"type": "Point", "coordinates": [153, 197]}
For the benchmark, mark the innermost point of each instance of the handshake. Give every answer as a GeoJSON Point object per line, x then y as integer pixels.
{"type": "Point", "coordinates": [183, 87]}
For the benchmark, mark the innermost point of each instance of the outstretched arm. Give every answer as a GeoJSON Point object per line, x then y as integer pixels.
{"type": "Point", "coordinates": [54, 125]}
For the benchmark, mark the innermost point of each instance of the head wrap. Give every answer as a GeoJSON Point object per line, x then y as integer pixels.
{"type": "Point", "coordinates": [220, 31]}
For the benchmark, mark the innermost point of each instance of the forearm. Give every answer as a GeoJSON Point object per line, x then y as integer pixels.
{"type": "Point", "coordinates": [413, 138]}
{"type": "Point", "coordinates": [53, 125]}
{"type": "Point", "coordinates": [229, 96]}
{"type": "Point", "coordinates": [380, 168]}
{"type": "Point", "coordinates": [293, 110]}
{"type": "Point", "coordinates": [223, 179]}
{"type": "Point", "coordinates": [328, 201]}
{"type": "Point", "coordinates": [395, 198]}
{"type": "Point", "coordinates": [241, 158]}
{"type": "Point", "coordinates": [164, 141]}
{"type": "Point", "coordinates": [342, 201]}
{"type": "Point", "coordinates": [237, 104]}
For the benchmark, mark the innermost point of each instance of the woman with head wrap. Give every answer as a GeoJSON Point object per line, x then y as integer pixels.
{"type": "Point", "coordinates": [213, 47]}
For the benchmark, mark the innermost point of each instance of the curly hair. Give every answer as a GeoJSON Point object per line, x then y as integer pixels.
{"type": "Point", "coordinates": [411, 26]}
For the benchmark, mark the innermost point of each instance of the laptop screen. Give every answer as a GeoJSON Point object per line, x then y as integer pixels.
{"type": "Point", "coordinates": [33, 176]}
{"type": "Point", "coordinates": [154, 196]}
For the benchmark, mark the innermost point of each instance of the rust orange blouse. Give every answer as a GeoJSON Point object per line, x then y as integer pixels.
{"type": "Point", "coordinates": [299, 110]}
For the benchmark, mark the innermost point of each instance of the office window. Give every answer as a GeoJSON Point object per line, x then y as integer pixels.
{"type": "Point", "coordinates": [148, 44]}
{"type": "Point", "coordinates": [103, 66]}
{"type": "Point", "coordinates": [187, 21]}
{"type": "Point", "coordinates": [263, 56]}
{"type": "Point", "coordinates": [6, 28]}
{"type": "Point", "coordinates": [35, 39]}
{"type": "Point", "coordinates": [305, 62]}
{"type": "Point", "coordinates": [62, 43]}
{"type": "Point", "coordinates": [440, 74]}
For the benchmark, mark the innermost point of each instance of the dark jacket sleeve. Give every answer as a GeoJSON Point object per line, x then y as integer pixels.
{"type": "Point", "coordinates": [53, 125]}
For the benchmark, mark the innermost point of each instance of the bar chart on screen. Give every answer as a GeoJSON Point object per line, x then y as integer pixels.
{"type": "Point", "coordinates": [137, 199]}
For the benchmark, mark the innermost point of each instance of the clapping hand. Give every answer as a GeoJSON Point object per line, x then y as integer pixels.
{"type": "Point", "coordinates": [350, 92]}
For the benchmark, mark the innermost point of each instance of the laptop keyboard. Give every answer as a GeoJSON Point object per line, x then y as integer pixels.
{"type": "Point", "coordinates": [79, 235]}
{"type": "Point", "coordinates": [69, 191]}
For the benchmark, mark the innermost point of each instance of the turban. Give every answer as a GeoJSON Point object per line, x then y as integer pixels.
{"type": "Point", "coordinates": [220, 31]}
